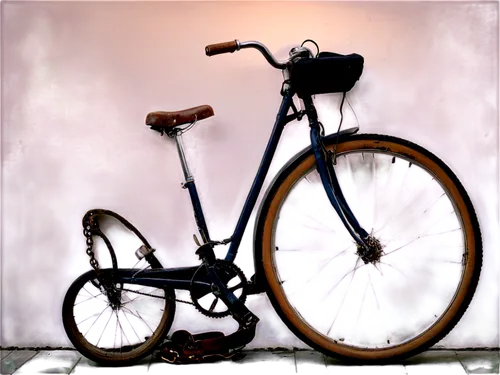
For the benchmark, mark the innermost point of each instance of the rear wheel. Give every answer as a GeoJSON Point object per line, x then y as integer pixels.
{"type": "Point", "coordinates": [116, 325]}
{"type": "Point", "coordinates": [405, 295]}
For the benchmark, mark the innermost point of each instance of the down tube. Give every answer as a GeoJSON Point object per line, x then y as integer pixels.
{"type": "Point", "coordinates": [261, 175]}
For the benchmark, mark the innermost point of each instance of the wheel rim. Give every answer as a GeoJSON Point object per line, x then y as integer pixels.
{"type": "Point", "coordinates": [346, 303]}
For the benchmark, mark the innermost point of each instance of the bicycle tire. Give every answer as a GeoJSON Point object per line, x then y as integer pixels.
{"type": "Point", "coordinates": [126, 354]}
{"type": "Point", "coordinates": [355, 349]}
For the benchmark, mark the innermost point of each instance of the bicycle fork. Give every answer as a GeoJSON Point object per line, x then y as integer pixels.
{"type": "Point", "coordinates": [331, 185]}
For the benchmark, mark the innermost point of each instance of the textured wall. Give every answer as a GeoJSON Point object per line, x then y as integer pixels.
{"type": "Point", "coordinates": [79, 78]}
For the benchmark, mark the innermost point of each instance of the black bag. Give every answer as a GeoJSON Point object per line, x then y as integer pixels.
{"type": "Point", "coordinates": [328, 73]}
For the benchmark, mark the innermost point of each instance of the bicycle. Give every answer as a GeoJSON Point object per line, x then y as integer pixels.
{"type": "Point", "coordinates": [367, 245]}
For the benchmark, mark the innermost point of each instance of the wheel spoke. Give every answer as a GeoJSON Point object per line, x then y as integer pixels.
{"type": "Point", "coordinates": [131, 326]}
{"type": "Point", "coordinates": [345, 294]}
{"type": "Point", "coordinates": [122, 331]}
{"type": "Point", "coordinates": [92, 297]}
{"type": "Point", "coordinates": [139, 316]}
{"type": "Point", "coordinates": [419, 193]}
{"type": "Point", "coordinates": [318, 272]}
{"type": "Point", "coordinates": [86, 333]}
{"type": "Point", "coordinates": [90, 294]}
{"type": "Point", "coordinates": [379, 310]}
{"type": "Point", "coordinates": [104, 329]}
{"type": "Point", "coordinates": [343, 277]}
{"type": "Point", "coordinates": [140, 294]}
{"type": "Point", "coordinates": [401, 247]}
{"type": "Point", "coordinates": [116, 330]}
{"type": "Point", "coordinates": [424, 212]}
{"type": "Point", "coordinates": [395, 198]}
{"type": "Point", "coordinates": [362, 301]}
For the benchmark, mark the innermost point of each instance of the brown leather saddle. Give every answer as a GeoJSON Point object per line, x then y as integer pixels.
{"type": "Point", "coordinates": [167, 121]}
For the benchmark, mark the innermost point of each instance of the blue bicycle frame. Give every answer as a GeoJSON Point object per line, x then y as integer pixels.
{"type": "Point", "coordinates": [181, 278]}
{"type": "Point", "coordinates": [325, 170]}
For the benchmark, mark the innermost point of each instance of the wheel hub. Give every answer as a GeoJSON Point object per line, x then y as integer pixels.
{"type": "Point", "coordinates": [114, 297]}
{"type": "Point", "coordinates": [372, 252]}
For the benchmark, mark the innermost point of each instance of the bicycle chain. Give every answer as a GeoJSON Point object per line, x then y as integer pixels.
{"type": "Point", "coordinates": [87, 232]}
{"type": "Point", "coordinates": [107, 286]}
{"type": "Point", "coordinates": [152, 295]}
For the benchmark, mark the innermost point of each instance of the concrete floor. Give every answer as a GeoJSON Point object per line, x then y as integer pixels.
{"type": "Point", "coordinates": [440, 362]}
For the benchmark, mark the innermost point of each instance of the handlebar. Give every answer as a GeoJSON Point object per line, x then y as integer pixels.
{"type": "Point", "coordinates": [218, 48]}
{"type": "Point", "coordinates": [236, 45]}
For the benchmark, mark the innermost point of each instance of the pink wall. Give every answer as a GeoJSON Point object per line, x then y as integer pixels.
{"type": "Point", "coordinates": [79, 79]}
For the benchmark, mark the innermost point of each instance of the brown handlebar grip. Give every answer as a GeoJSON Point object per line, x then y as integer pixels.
{"type": "Point", "coordinates": [218, 48]}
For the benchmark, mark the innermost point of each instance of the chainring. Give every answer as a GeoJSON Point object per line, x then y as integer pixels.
{"type": "Point", "coordinates": [231, 276]}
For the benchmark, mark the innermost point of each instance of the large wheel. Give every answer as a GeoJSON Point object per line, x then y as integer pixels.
{"type": "Point", "coordinates": [116, 326]}
{"type": "Point", "coordinates": [405, 295]}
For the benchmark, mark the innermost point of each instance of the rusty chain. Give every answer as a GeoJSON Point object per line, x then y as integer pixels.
{"type": "Point", "coordinates": [89, 227]}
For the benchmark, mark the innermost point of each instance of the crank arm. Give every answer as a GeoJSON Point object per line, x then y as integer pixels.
{"type": "Point", "coordinates": [237, 308]}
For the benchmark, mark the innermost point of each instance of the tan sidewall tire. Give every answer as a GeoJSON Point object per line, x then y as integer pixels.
{"type": "Point", "coordinates": [468, 283]}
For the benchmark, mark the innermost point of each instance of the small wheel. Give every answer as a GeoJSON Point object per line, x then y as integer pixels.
{"type": "Point", "coordinates": [420, 274]}
{"type": "Point", "coordinates": [114, 325]}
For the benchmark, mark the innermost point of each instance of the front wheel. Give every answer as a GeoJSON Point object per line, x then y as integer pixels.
{"type": "Point", "coordinates": [392, 304]}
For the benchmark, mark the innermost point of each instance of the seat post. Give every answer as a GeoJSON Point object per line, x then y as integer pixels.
{"type": "Point", "coordinates": [193, 193]}
{"type": "Point", "coordinates": [185, 168]}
